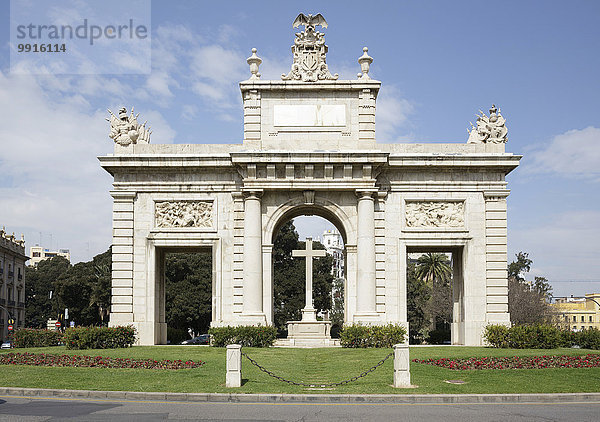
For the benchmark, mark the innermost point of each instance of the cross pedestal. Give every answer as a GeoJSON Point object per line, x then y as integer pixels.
{"type": "Point", "coordinates": [309, 332]}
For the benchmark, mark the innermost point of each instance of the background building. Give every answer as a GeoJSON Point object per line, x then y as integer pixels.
{"type": "Point", "coordinates": [12, 281]}
{"type": "Point", "coordinates": [334, 245]}
{"type": "Point", "coordinates": [578, 313]}
{"type": "Point", "coordinates": [39, 253]}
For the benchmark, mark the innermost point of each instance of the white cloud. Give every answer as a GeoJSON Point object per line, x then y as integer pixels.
{"type": "Point", "coordinates": [575, 153]}
{"type": "Point", "coordinates": [563, 247]}
{"type": "Point", "coordinates": [184, 59]}
{"type": "Point", "coordinates": [158, 84]}
{"type": "Point", "coordinates": [393, 113]}
{"type": "Point", "coordinates": [272, 67]}
{"type": "Point", "coordinates": [210, 91]}
{"type": "Point", "coordinates": [189, 111]}
{"type": "Point", "coordinates": [51, 179]}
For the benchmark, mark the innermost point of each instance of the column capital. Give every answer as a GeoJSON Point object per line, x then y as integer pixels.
{"type": "Point", "coordinates": [123, 195]}
{"type": "Point", "coordinates": [365, 193]}
{"type": "Point", "coordinates": [252, 193]}
{"type": "Point", "coordinates": [495, 195]}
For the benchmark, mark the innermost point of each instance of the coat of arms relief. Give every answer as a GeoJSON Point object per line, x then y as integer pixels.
{"type": "Point", "coordinates": [309, 51]}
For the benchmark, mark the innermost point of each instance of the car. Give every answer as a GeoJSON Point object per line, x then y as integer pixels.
{"type": "Point", "coordinates": [201, 339]}
{"type": "Point", "coordinates": [6, 345]}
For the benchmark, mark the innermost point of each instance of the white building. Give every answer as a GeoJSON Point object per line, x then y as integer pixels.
{"type": "Point", "coordinates": [334, 245]}
{"type": "Point", "coordinates": [38, 253]}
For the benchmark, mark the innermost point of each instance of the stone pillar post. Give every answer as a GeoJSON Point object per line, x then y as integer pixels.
{"type": "Point", "coordinates": [234, 366]}
{"type": "Point", "coordinates": [365, 301]}
{"type": "Point", "coordinates": [253, 274]}
{"type": "Point", "coordinates": [401, 366]}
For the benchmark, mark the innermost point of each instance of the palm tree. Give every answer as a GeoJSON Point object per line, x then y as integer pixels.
{"type": "Point", "coordinates": [433, 268]}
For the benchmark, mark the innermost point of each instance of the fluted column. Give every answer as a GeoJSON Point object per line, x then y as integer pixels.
{"type": "Point", "coordinates": [365, 302]}
{"type": "Point", "coordinates": [253, 274]}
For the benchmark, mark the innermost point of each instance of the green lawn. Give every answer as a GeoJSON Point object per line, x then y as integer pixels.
{"type": "Point", "coordinates": [307, 365]}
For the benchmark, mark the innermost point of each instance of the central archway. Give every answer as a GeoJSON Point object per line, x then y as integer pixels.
{"type": "Point", "coordinates": [322, 208]}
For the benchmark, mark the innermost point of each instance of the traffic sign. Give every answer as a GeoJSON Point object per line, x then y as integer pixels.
{"type": "Point", "coordinates": [11, 321]}
{"type": "Point", "coordinates": [72, 324]}
{"type": "Point", "coordinates": [57, 324]}
{"type": "Point", "coordinates": [10, 328]}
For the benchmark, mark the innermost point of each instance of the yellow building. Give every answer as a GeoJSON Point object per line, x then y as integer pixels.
{"type": "Point", "coordinates": [12, 282]}
{"type": "Point", "coordinates": [579, 313]}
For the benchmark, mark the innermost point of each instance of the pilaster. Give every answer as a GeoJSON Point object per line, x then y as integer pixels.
{"type": "Point", "coordinates": [496, 258]}
{"type": "Point", "coordinates": [121, 311]}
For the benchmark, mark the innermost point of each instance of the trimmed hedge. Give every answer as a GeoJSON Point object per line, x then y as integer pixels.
{"type": "Point", "coordinates": [497, 336]}
{"type": "Point", "coordinates": [30, 337]}
{"type": "Point", "coordinates": [362, 336]}
{"type": "Point", "coordinates": [247, 336]}
{"type": "Point", "coordinates": [586, 339]}
{"type": "Point", "coordinates": [99, 337]}
{"type": "Point", "coordinates": [540, 336]}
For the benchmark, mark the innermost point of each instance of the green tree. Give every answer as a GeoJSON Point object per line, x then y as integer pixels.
{"type": "Point", "coordinates": [528, 302]}
{"type": "Point", "coordinates": [520, 266]}
{"type": "Point", "coordinates": [100, 295]}
{"type": "Point", "coordinates": [188, 278]}
{"type": "Point", "coordinates": [418, 295]}
{"type": "Point", "coordinates": [322, 279]}
{"type": "Point", "coordinates": [39, 282]}
{"type": "Point", "coordinates": [337, 306]}
{"type": "Point", "coordinates": [82, 288]}
{"type": "Point", "coordinates": [85, 290]}
{"type": "Point", "coordinates": [288, 277]}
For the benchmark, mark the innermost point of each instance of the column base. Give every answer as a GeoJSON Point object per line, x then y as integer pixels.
{"type": "Point", "coordinates": [150, 333]}
{"type": "Point", "coordinates": [367, 318]}
{"type": "Point", "coordinates": [257, 318]}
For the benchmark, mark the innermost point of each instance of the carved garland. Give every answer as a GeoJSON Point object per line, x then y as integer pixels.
{"type": "Point", "coordinates": [435, 214]}
{"type": "Point", "coordinates": [184, 214]}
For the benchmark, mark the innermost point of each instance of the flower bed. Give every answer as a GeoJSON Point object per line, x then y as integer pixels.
{"type": "Point", "coordinates": [532, 362]}
{"type": "Point", "coordinates": [76, 361]}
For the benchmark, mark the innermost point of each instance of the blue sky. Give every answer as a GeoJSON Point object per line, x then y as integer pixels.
{"type": "Point", "coordinates": [439, 62]}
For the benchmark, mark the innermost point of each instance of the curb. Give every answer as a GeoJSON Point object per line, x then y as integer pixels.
{"type": "Point", "coordinates": [305, 398]}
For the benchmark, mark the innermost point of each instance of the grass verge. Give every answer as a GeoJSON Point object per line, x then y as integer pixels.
{"type": "Point", "coordinates": [308, 365]}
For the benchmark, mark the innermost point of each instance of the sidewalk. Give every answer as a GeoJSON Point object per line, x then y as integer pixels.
{"type": "Point", "coordinates": [305, 398]}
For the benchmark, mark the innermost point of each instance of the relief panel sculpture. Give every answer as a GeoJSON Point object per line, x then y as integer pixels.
{"type": "Point", "coordinates": [184, 214]}
{"type": "Point", "coordinates": [435, 214]}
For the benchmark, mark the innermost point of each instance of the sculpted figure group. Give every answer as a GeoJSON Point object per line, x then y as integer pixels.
{"type": "Point", "coordinates": [184, 214]}
{"type": "Point", "coordinates": [435, 214]}
{"type": "Point", "coordinates": [489, 129]}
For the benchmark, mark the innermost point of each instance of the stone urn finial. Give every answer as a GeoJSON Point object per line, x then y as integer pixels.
{"type": "Point", "coordinates": [365, 63]}
{"type": "Point", "coordinates": [254, 61]}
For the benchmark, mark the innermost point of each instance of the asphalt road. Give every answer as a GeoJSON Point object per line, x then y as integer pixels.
{"type": "Point", "coordinates": [57, 409]}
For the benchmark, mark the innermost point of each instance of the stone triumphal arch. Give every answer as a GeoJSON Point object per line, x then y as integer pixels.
{"type": "Point", "coordinates": [309, 148]}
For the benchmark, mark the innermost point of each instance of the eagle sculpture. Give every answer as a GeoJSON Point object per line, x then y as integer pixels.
{"type": "Point", "coordinates": [310, 20]}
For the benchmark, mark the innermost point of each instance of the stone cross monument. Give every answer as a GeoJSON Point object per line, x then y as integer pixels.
{"type": "Point", "coordinates": [309, 331]}
{"type": "Point", "coordinates": [309, 312]}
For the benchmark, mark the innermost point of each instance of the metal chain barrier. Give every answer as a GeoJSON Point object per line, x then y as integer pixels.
{"type": "Point", "coordinates": [333, 384]}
